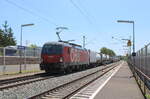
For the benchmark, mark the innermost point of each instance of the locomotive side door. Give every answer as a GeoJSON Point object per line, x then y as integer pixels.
{"type": "Point", "coordinates": [66, 55]}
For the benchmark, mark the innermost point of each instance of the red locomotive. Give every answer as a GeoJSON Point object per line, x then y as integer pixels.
{"type": "Point", "coordinates": [61, 56]}
{"type": "Point", "coordinates": [65, 57]}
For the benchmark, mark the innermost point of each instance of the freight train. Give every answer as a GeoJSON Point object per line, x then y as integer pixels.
{"type": "Point", "coordinates": [66, 57]}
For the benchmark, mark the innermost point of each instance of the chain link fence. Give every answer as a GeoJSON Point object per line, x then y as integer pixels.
{"type": "Point", "coordinates": [13, 59]}
{"type": "Point", "coordinates": [140, 66]}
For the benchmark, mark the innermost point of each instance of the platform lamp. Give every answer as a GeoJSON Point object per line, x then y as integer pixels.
{"type": "Point", "coordinates": [133, 53]}
{"type": "Point", "coordinates": [132, 22]}
{"type": "Point", "coordinates": [23, 25]}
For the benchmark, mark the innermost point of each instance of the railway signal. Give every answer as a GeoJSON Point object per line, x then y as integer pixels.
{"type": "Point", "coordinates": [129, 43]}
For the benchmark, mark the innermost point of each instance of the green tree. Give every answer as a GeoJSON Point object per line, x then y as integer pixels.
{"type": "Point", "coordinates": [107, 51]}
{"type": "Point", "coordinates": [6, 36]}
{"type": "Point", "coordinates": [11, 39]}
{"type": "Point", "coordinates": [33, 46]}
{"type": "Point", "coordinates": [1, 38]}
{"type": "Point", "coordinates": [104, 50]}
{"type": "Point", "coordinates": [5, 26]}
{"type": "Point", "coordinates": [111, 52]}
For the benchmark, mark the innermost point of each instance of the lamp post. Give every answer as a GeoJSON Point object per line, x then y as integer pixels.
{"type": "Point", "coordinates": [23, 25]}
{"type": "Point", "coordinates": [132, 22]}
{"type": "Point", "coordinates": [133, 53]}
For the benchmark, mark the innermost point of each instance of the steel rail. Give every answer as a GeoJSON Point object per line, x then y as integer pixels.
{"type": "Point", "coordinates": [20, 83]}
{"type": "Point", "coordinates": [15, 82]}
{"type": "Point", "coordinates": [21, 78]}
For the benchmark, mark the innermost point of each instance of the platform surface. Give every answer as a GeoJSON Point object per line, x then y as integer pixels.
{"type": "Point", "coordinates": [121, 86]}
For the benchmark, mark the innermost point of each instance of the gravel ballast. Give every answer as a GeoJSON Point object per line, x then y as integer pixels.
{"type": "Point", "coordinates": [26, 91]}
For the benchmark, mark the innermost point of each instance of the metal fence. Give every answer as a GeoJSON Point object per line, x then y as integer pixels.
{"type": "Point", "coordinates": [12, 57]}
{"type": "Point", "coordinates": [13, 51]}
{"type": "Point", "coordinates": [140, 66]}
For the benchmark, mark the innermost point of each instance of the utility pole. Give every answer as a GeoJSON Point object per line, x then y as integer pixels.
{"type": "Point", "coordinates": [83, 41]}
{"type": "Point", "coordinates": [133, 39]}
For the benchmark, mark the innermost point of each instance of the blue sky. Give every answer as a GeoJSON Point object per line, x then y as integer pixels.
{"type": "Point", "coordinates": [98, 21]}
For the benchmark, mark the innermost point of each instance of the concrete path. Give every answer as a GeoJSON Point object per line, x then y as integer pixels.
{"type": "Point", "coordinates": [121, 86]}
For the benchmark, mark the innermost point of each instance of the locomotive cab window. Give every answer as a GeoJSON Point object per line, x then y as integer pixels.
{"type": "Point", "coordinates": [52, 49]}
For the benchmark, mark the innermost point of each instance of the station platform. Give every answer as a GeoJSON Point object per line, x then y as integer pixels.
{"type": "Point", "coordinates": [122, 85]}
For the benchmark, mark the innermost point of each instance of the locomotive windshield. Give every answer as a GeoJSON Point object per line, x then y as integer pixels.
{"type": "Point", "coordinates": [52, 49]}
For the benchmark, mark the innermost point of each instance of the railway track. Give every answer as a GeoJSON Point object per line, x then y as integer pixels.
{"type": "Point", "coordinates": [15, 79]}
{"type": "Point", "coordinates": [34, 87]}
{"type": "Point", "coordinates": [14, 82]}
{"type": "Point", "coordinates": [66, 90]}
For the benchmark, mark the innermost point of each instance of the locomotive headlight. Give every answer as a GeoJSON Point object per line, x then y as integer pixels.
{"type": "Point", "coordinates": [61, 59]}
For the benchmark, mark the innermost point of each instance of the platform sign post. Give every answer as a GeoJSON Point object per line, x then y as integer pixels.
{"type": "Point", "coordinates": [20, 52]}
{"type": "Point", "coordinates": [25, 65]}
{"type": "Point", "coordinates": [4, 60]}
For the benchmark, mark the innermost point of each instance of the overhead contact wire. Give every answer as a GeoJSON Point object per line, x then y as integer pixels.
{"type": "Point", "coordinates": [31, 12]}
{"type": "Point", "coordinates": [82, 12]}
